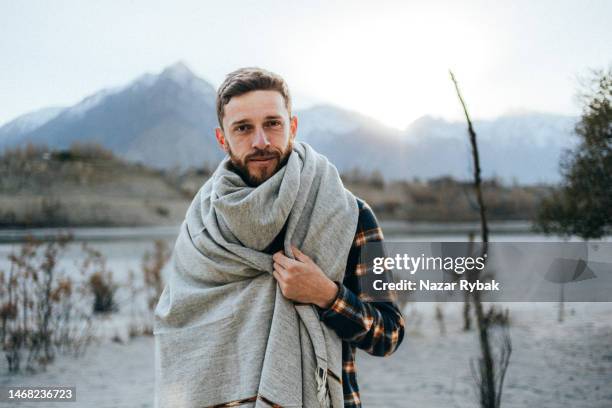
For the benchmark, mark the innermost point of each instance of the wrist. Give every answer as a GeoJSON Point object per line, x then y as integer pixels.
{"type": "Point", "coordinates": [329, 294]}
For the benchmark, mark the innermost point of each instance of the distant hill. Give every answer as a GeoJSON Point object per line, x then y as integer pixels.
{"type": "Point", "coordinates": [87, 185]}
{"type": "Point", "coordinates": [167, 120]}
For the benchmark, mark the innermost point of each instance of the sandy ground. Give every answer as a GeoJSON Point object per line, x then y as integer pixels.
{"type": "Point", "coordinates": [552, 365]}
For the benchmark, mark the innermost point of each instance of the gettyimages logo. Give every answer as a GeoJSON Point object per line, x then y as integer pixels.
{"type": "Point", "coordinates": [508, 271]}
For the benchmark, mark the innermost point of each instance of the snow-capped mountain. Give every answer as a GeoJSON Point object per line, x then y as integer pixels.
{"type": "Point", "coordinates": [163, 120]}
{"type": "Point", "coordinates": [168, 119]}
{"type": "Point", "coordinates": [526, 147]}
{"type": "Point", "coordinates": [26, 123]}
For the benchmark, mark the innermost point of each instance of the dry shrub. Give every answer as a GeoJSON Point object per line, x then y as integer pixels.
{"type": "Point", "coordinates": [145, 289]}
{"type": "Point", "coordinates": [497, 317]}
{"type": "Point", "coordinates": [39, 307]}
{"type": "Point", "coordinates": [100, 280]}
{"type": "Point", "coordinates": [152, 265]}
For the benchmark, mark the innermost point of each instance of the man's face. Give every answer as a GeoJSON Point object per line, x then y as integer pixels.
{"type": "Point", "coordinates": [257, 134]}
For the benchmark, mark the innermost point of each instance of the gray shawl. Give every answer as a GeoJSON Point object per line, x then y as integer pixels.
{"type": "Point", "coordinates": [223, 330]}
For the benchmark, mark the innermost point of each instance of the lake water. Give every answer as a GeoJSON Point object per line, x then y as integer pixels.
{"type": "Point", "coordinates": [124, 248]}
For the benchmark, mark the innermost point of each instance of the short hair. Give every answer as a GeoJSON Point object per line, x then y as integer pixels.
{"type": "Point", "coordinates": [249, 79]}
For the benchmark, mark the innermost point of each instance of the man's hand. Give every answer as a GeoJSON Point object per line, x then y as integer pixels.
{"type": "Point", "coordinates": [301, 280]}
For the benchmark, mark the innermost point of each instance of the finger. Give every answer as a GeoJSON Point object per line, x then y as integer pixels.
{"type": "Point", "coordinates": [277, 255]}
{"type": "Point", "coordinates": [299, 255]}
{"type": "Point", "coordinates": [283, 260]}
{"type": "Point", "coordinates": [280, 270]}
{"type": "Point", "coordinates": [277, 275]}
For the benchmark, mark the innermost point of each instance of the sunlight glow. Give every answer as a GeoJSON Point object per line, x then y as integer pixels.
{"type": "Point", "coordinates": [394, 68]}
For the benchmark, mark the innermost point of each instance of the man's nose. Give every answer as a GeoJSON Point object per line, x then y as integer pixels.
{"type": "Point", "coordinates": [261, 140]}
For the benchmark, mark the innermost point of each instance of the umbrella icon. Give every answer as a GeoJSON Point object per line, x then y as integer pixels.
{"type": "Point", "coordinates": [563, 271]}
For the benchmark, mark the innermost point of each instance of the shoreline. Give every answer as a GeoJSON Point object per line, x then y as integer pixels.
{"type": "Point", "coordinates": [80, 234]}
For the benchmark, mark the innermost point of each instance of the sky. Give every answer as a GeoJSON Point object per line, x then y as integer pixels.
{"type": "Point", "coordinates": [387, 59]}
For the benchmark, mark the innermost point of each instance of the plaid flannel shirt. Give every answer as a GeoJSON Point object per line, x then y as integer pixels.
{"type": "Point", "coordinates": [376, 327]}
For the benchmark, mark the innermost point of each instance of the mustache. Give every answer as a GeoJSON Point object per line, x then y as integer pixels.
{"type": "Point", "coordinates": [262, 154]}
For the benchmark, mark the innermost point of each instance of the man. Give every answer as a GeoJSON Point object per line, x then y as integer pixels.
{"type": "Point", "coordinates": [265, 304]}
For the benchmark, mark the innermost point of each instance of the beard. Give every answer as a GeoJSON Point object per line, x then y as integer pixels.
{"type": "Point", "coordinates": [257, 176]}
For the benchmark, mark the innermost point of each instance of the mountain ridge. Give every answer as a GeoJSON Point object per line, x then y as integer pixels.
{"type": "Point", "coordinates": [167, 120]}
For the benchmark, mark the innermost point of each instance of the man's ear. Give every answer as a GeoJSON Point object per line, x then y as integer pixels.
{"type": "Point", "coordinates": [221, 139]}
{"type": "Point", "coordinates": [293, 127]}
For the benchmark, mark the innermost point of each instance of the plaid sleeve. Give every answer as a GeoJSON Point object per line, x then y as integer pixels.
{"type": "Point", "coordinates": [376, 327]}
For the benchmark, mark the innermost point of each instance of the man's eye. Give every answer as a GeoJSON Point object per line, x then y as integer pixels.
{"type": "Point", "coordinates": [274, 123]}
{"type": "Point", "coordinates": [242, 128]}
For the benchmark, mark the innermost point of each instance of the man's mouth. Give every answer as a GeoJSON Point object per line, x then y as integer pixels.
{"type": "Point", "coordinates": [262, 160]}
